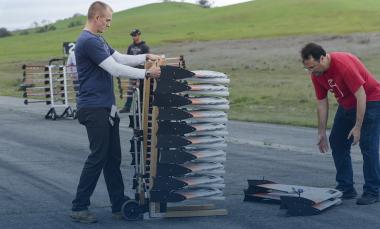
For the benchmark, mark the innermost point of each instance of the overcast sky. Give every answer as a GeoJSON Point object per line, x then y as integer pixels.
{"type": "Point", "coordinates": [19, 14]}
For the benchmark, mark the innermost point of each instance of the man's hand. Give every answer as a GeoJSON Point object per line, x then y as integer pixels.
{"type": "Point", "coordinates": [323, 144]}
{"type": "Point", "coordinates": [154, 72]}
{"type": "Point", "coordinates": [355, 133]}
{"type": "Point", "coordinates": [152, 57]}
{"type": "Point", "coordinates": [361, 99]}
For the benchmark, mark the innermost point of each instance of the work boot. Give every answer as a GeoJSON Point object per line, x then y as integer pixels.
{"type": "Point", "coordinates": [367, 198]}
{"type": "Point", "coordinates": [117, 216]}
{"type": "Point", "coordinates": [348, 193]}
{"type": "Point", "coordinates": [84, 216]}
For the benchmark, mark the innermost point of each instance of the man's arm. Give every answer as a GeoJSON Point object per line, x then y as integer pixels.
{"type": "Point", "coordinates": [100, 56]}
{"type": "Point", "coordinates": [322, 111]}
{"type": "Point", "coordinates": [134, 60]}
{"type": "Point", "coordinates": [130, 60]}
{"type": "Point", "coordinates": [119, 70]}
{"type": "Point", "coordinates": [361, 99]}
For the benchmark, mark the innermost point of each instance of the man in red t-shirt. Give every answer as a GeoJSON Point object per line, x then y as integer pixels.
{"type": "Point", "coordinates": [357, 119]}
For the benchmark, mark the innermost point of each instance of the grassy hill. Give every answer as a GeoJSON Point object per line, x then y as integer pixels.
{"type": "Point", "coordinates": [174, 22]}
{"type": "Point", "coordinates": [164, 23]}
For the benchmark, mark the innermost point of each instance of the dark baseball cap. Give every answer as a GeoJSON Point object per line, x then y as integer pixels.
{"type": "Point", "coordinates": [135, 32]}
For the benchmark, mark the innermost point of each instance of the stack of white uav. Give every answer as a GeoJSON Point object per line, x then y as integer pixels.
{"type": "Point", "coordinates": [183, 137]}
{"type": "Point", "coordinates": [190, 136]}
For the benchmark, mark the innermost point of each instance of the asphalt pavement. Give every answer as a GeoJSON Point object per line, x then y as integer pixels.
{"type": "Point", "coordinates": [41, 160]}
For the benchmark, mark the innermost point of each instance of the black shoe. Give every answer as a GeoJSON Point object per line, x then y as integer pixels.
{"type": "Point", "coordinates": [367, 198]}
{"type": "Point", "coordinates": [124, 110]}
{"type": "Point", "coordinates": [348, 193]}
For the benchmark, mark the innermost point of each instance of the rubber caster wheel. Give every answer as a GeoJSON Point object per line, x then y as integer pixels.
{"type": "Point", "coordinates": [74, 114]}
{"type": "Point", "coordinates": [53, 116]}
{"type": "Point", "coordinates": [131, 210]}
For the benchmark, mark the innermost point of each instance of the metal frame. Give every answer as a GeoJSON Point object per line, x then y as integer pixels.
{"type": "Point", "coordinates": [148, 126]}
{"type": "Point", "coordinates": [68, 111]}
{"type": "Point", "coordinates": [51, 91]}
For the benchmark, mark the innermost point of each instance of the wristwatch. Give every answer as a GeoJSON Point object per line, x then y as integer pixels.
{"type": "Point", "coordinates": [147, 74]}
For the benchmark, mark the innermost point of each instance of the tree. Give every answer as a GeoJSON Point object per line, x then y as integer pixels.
{"type": "Point", "coordinates": [204, 3]}
{"type": "Point", "coordinates": [44, 22]}
{"type": "Point", "coordinates": [77, 15]}
{"type": "Point", "coordinates": [35, 24]}
{"type": "Point", "coordinates": [4, 32]}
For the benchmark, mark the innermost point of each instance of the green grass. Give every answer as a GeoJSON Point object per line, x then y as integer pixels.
{"type": "Point", "coordinates": [175, 22]}
{"type": "Point", "coordinates": [274, 96]}
{"type": "Point", "coordinates": [267, 96]}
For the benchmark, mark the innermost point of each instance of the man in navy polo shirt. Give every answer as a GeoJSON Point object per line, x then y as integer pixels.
{"type": "Point", "coordinates": [137, 47]}
{"type": "Point", "coordinates": [97, 62]}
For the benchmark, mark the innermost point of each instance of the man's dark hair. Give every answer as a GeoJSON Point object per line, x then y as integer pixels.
{"type": "Point", "coordinates": [312, 50]}
{"type": "Point", "coordinates": [97, 7]}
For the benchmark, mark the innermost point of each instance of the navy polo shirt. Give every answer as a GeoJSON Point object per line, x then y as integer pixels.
{"type": "Point", "coordinates": [95, 84]}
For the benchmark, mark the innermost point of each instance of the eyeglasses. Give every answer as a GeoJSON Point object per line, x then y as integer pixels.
{"type": "Point", "coordinates": [311, 68]}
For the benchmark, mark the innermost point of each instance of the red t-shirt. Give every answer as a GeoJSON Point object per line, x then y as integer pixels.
{"type": "Point", "coordinates": [343, 78]}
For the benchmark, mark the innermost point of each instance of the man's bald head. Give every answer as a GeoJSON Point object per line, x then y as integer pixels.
{"type": "Point", "coordinates": [97, 8]}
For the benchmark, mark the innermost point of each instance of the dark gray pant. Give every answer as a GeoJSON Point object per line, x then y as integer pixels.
{"type": "Point", "coordinates": [105, 155]}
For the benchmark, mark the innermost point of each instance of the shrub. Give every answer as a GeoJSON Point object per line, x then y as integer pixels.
{"type": "Point", "coordinates": [75, 23]}
{"type": "Point", "coordinates": [45, 28]}
{"type": "Point", "coordinates": [4, 32]}
{"type": "Point", "coordinates": [204, 3]}
{"type": "Point", "coordinates": [24, 32]}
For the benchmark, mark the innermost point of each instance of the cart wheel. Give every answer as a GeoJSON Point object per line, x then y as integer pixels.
{"type": "Point", "coordinates": [53, 115]}
{"type": "Point", "coordinates": [131, 210]}
{"type": "Point", "coordinates": [47, 116]}
{"type": "Point", "coordinates": [74, 114]}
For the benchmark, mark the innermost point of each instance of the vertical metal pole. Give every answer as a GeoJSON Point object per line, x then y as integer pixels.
{"type": "Point", "coordinates": [51, 86]}
{"type": "Point", "coordinates": [65, 86]}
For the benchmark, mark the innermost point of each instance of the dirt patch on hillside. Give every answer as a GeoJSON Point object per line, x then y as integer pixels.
{"type": "Point", "coordinates": [268, 54]}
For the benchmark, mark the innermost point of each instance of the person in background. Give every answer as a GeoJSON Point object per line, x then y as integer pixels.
{"type": "Point", "coordinates": [71, 68]}
{"type": "Point", "coordinates": [137, 47]}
